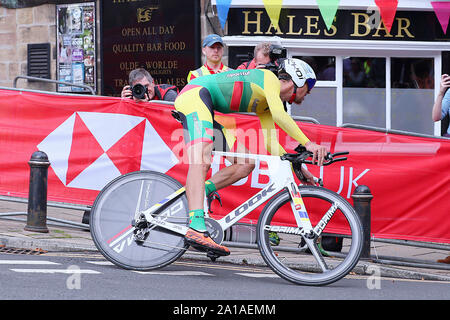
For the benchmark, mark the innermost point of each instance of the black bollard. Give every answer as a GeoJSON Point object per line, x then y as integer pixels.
{"type": "Point", "coordinates": [37, 197]}
{"type": "Point", "coordinates": [361, 202]}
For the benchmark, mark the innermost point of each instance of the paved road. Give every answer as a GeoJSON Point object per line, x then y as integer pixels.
{"type": "Point", "coordinates": [70, 276]}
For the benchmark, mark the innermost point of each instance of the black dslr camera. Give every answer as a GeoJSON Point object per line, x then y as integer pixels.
{"type": "Point", "coordinates": [138, 91]}
{"type": "Point", "coordinates": [276, 52]}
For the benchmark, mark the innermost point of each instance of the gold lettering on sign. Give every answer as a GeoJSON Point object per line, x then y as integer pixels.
{"type": "Point", "coordinates": [358, 23]}
{"type": "Point", "coordinates": [257, 22]}
{"type": "Point", "coordinates": [154, 46]}
{"type": "Point", "coordinates": [333, 31]}
{"type": "Point", "coordinates": [277, 28]}
{"type": "Point", "coordinates": [128, 66]}
{"type": "Point", "coordinates": [127, 47]}
{"type": "Point", "coordinates": [404, 28]}
{"type": "Point", "coordinates": [179, 82]}
{"type": "Point", "coordinates": [310, 25]}
{"type": "Point", "coordinates": [291, 26]}
{"type": "Point", "coordinates": [382, 27]}
{"type": "Point", "coordinates": [120, 83]}
{"type": "Point", "coordinates": [145, 14]}
{"type": "Point", "coordinates": [161, 64]}
{"type": "Point", "coordinates": [362, 26]}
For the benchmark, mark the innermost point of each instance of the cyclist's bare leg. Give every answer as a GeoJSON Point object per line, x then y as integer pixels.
{"type": "Point", "coordinates": [199, 155]}
{"type": "Point", "coordinates": [199, 163]}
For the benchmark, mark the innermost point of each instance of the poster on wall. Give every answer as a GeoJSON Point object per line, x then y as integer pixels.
{"type": "Point", "coordinates": [75, 42]}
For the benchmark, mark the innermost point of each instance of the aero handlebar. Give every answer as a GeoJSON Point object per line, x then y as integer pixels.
{"type": "Point", "coordinates": [302, 154]}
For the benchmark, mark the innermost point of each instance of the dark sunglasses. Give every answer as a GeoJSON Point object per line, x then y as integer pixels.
{"type": "Point", "coordinates": [310, 83]}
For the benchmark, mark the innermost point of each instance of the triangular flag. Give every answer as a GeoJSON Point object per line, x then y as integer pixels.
{"type": "Point", "coordinates": [222, 11]}
{"type": "Point", "coordinates": [273, 8]}
{"type": "Point", "coordinates": [388, 8]}
{"type": "Point", "coordinates": [442, 11]}
{"type": "Point", "coordinates": [328, 9]}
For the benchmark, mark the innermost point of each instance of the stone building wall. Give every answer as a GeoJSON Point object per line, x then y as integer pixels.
{"type": "Point", "coordinates": [19, 27]}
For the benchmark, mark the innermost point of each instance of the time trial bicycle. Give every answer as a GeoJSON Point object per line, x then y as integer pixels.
{"type": "Point", "coordinates": [138, 221]}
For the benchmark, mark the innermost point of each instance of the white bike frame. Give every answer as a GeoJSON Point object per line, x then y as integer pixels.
{"type": "Point", "coordinates": [281, 177]}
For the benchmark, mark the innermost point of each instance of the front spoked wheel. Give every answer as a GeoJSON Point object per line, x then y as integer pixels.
{"type": "Point", "coordinates": [301, 260]}
{"type": "Point", "coordinates": [114, 209]}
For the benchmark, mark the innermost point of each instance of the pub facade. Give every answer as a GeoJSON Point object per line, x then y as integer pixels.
{"type": "Point", "coordinates": [368, 76]}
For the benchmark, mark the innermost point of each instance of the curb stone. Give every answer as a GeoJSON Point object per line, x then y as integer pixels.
{"type": "Point", "coordinates": [47, 245]}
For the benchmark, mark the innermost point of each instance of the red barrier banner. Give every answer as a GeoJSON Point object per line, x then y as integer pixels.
{"type": "Point", "coordinates": [91, 140]}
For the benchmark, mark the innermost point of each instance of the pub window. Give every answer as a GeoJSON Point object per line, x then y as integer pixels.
{"type": "Point", "coordinates": [364, 91]}
{"type": "Point", "coordinates": [412, 94]}
{"type": "Point", "coordinates": [320, 104]}
{"type": "Point", "coordinates": [324, 67]}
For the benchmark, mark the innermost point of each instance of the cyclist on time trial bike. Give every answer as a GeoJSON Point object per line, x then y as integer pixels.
{"type": "Point", "coordinates": [257, 90]}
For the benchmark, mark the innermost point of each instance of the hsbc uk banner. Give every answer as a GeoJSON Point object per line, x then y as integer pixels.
{"type": "Point", "coordinates": [90, 140]}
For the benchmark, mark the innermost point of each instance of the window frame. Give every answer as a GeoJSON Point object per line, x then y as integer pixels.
{"type": "Point", "coordinates": [377, 49]}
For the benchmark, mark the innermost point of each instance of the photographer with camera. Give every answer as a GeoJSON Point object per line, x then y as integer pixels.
{"type": "Point", "coordinates": [265, 56]}
{"type": "Point", "coordinates": [142, 88]}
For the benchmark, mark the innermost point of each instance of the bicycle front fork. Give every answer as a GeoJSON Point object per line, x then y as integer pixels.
{"type": "Point", "coordinates": [300, 213]}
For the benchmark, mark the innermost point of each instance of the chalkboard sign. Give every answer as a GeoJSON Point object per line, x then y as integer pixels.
{"type": "Point", "coordinates": [161, 36]}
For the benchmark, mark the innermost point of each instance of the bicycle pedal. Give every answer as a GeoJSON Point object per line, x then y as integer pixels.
{"type": "Point", "coordinates": [212, 255]}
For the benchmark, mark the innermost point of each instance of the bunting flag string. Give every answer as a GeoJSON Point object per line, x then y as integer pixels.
{"type": "Point", "coordinates": [442, 11]}
{"type": "Point", "coordinates": [388, 9]}
{"type": "Point", "coordinates": [328, 9]}
{"type": "Point", "coordinates": [273, 8]}
{"type": "Point", "coordinates": [223, 6]}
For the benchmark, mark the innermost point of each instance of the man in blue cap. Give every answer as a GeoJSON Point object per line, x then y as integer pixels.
{"type": "Point", "coordinates": [212, 48]}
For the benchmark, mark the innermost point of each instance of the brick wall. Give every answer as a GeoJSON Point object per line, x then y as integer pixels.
{"type": "Point", "coordinates": [19, 27]}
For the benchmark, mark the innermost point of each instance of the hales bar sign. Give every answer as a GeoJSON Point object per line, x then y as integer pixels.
{"type": "Point", "coordinates": [355, 25]}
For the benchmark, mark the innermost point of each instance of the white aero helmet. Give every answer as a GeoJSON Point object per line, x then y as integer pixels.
{"type": "Point", "coordinates": [299, 71]}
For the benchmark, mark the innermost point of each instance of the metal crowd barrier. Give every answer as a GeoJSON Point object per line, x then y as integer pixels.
{"type": "Point", "coordinates": [37, 207]}
{"type": "Point", "coordinates": [53, 81]}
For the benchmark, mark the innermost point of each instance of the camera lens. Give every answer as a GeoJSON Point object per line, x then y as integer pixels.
{"type": "Point", "coordinates": [139, 91]}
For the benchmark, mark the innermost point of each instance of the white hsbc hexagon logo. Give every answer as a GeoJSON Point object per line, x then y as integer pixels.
{"type": "Point", "coordinates": [89, 149]}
